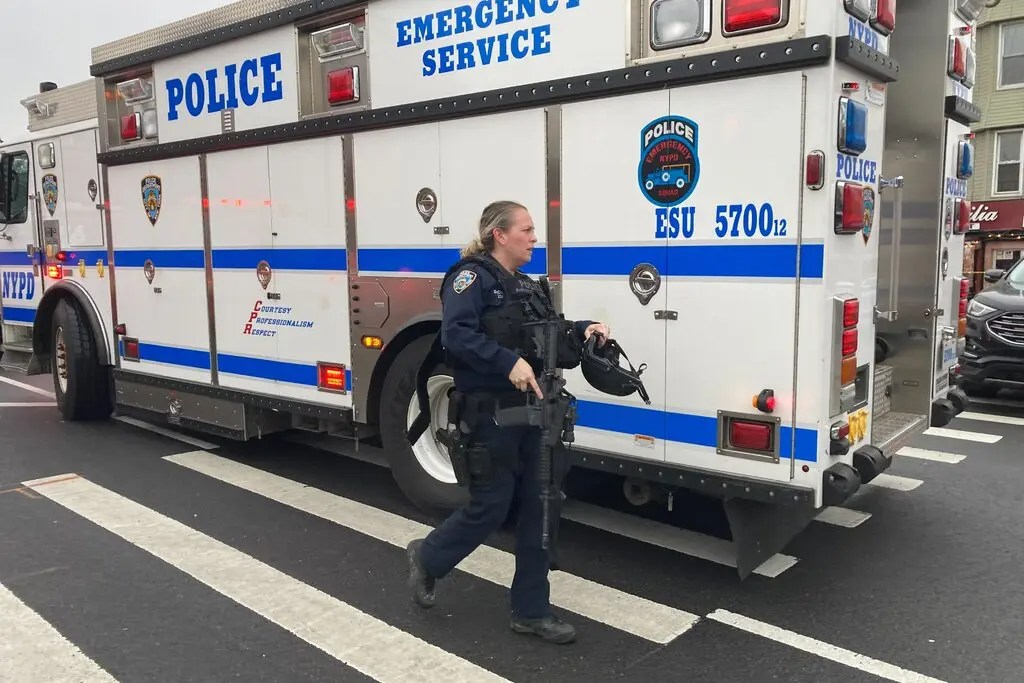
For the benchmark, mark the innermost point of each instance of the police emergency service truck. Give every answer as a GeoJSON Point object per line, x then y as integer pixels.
{"type": "Point", "coordinates": [763, 198]}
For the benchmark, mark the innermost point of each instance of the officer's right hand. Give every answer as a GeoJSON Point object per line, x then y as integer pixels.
{"type": "Point", "coordinates": [523, 378]}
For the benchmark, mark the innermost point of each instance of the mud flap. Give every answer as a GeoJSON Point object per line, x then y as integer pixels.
{"type": "Point", "coordinates": [759, 530]}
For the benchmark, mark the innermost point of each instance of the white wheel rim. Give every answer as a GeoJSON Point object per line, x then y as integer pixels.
{"type": "Point", "coordinates": [61, 353]}
{"type": "Point", "coordinates": [430, 454]}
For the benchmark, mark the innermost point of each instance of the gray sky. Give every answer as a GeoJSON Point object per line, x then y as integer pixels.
{"type": "Point", "coordinates": [53, 41]}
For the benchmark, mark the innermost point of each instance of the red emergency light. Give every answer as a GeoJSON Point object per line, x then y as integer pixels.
{"type": "Point", "coordinates": [884, 20]}
{"type": "Point", "coordinates": [849, 208]}
{"type": "Point", "coordinates": [962, 216]}
{"type": "Point", "coordinates": [343, 85]}
{"type": "Point", "coordinates": [750, 15]}
{"type": "Point", "coordinates": [957, 58]}
{"type": "Point", "coordinates": [331, 377]}
{"type": "Point", "coordinates": [131, 127]}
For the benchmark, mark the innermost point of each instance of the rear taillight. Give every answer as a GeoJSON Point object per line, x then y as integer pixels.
{"type": "Point", "coordinates": [751, 436]}
{"type": "Point", "coordinates": [343, 86]}
{"type": "Point", "coordinates": [850, 342]}
{"type": "Point", "coordinates": [962, 289]}
{"type": "Point", "coordinates": [815, 170]}
{"type": "Point", "coordinates": [331, 377]}
{"type": "Point", "coordinates": [739, 16]}
{"type": "Point", "coordinates": [130, 349]}
{"type": "Point", "coordinates": [851, 313]}
{"type": "Point", "coordinates": [847, 318]}
{"type": "Point", "coordinates": [54, 272]}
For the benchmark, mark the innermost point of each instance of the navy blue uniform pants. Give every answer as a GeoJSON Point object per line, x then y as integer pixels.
{"type": "Point", "coordinates": [515, 455]}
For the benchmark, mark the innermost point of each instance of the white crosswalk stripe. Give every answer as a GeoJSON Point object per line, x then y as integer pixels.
{"type": "Point", "coordinates": [367, 644]}
{"type": "Point", "coordinates": [891, 481]}
{"type": "Point", "coordinates": [978, 437]}
{"type": "Point", "coordinates": [33, 650]}
{"type": "Point", "coordinates": [670, 537]}
{"type": "Point", "coordinates": [632, 614]}
{"type": "Point", "coordinates": [989, 417]}
{"type": "Point", "coordinates": [844, 517]}
{"type": "Point", "coordinates": [27, 387]}
{"type": "Point", "coordinates": [935, 456]}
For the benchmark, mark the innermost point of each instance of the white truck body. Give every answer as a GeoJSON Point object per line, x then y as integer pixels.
{"type": "Point", "coordinates": [278, 256]}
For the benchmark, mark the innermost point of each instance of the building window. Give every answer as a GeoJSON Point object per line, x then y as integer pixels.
{"type": "Point", "coordinates": [1011, 55]}
{"type": "Point", "coordinates": [1008, 161]}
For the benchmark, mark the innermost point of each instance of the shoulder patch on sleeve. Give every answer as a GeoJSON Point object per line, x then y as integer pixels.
{"type": "Point", "coordinates": [463, 280]}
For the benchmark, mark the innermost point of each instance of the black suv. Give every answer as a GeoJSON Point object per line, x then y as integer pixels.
{"type": "Point", "coordinates": [994, 356]}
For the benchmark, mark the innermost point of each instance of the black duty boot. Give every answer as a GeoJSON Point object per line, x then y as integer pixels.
{"type": "Point", "coordinates": [421, 585]}
{"type": "Point", "coordinates": [550, 628]}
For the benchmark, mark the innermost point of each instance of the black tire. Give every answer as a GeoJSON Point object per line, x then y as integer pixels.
{"type": "Point", "coordinates": [87, 396]}
{"type": "Point", "coordinates": [429, 494]}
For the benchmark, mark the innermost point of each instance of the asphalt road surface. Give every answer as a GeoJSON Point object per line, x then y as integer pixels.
{"type": "Point", "coordinates": [129, 554]}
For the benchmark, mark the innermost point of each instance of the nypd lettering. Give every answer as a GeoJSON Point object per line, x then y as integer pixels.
{"type": "Point", "coordinates": [247, 83]}
{"type": "Point", "coordinates": [956, 188]}
{"type": "Point", "coordinates": [19, 285]}
{"type": "Point", "coordinates": [495, 48]}
{"type": "Point", "coordinates": [856, 169]}
{"type": "Point", "coordinates": [865, 34]}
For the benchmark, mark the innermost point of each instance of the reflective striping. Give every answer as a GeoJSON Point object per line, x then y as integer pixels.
{"type": "Point", "coordinates": [891, 481]}
{"type": "Point", "coordinates": [672, 538]}
{"type": "Point", "coordinates": [367, 644]}
{"type": "Point", "coordinates": [699, 430]}
{"type": "Point", "coordinates": [819, 648]}
{"type": "Point", "coordinates": [17, 314]}
{"type": "Point", "coordinates": [844, 517]}
{"type": "Point", "coordinates": [935, 456]}
{"type": "Point", "coordinates": [638, 616]}
{"type": "Point", "coordinates": [33, 650]}
{"type": "Point", "coordinates": [279, 258]}
{"type": "Point", "coordinates": [977, 437]}
{"type": "Point", "coordinates": [698, 260]}
{"type": "Point", "coordinates": [33, 404]}
{"type": "Point", "coordinates": [398, 260]}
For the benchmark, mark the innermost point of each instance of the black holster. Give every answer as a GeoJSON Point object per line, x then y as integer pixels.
{"type": "Point", "coordinates": [457, 436]}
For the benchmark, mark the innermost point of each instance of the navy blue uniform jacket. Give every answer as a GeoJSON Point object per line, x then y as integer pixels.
{"type": "Point", "coordinates": [466, 296]}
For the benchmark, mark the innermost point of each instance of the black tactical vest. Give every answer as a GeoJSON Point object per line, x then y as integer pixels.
{"type": "Point", "coordinates": [525, 302]}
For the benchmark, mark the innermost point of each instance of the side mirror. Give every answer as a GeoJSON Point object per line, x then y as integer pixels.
{"type": "Point", "coordinates": [994, 274]}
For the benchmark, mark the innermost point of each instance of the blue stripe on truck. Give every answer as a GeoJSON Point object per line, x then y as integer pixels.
{"type": "Point", "coordinates": [17, 314]}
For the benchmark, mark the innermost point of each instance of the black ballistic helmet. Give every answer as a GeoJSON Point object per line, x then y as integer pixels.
{"type": "Point", "coordinates": [602, 370]}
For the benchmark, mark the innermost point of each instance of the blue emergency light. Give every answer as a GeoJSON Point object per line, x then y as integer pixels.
{"type": "Point", "coordinates": [965, 160]}
{"type": "Point", "coordinates": [853, 126]}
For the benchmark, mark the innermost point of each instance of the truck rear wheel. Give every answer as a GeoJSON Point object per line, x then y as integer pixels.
{"type": "Point", "coordinates": [81, 384]}
{"type": "Point", "coordinates": [422, 470]}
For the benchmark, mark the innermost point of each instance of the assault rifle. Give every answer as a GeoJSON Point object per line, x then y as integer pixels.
{"type": "Point", "coordinates": [555, 414]}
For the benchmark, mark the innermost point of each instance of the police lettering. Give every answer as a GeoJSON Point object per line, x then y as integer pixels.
{"type": "Point", "coordinates": [19, 286]}
{"type": "Point", "coordinates": [956, 187]}
{"type": "Point", "coordinates": [673, 127]}
{"type": "Point", "coordinates": [856, 169]}
{"type": "Point", "coordinates": [864, 33]}
{"type": "Point", "coordinates": [252, 81]}
{"type": "Point", "coordinates": [497, 48]}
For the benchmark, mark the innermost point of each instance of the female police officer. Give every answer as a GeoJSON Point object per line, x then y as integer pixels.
{"type": "Point", "coordinates": [478, 333]}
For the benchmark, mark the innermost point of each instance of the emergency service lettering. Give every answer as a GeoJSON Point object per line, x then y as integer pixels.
{"type": "Point", "coordinates": [519, 44]}
{"type": "Point", "coordinates": [956, 188]}
{"type": "Point", "coordinates": [252, 81]}
{"type": "Point", "coordinates": [856, 169]}
{"type": "Point", "coordinates": [19, 286]}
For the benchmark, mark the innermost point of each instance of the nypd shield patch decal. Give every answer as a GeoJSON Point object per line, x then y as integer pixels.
{"type": "Point", "coordinates": [152, 197]}
{"type": "Point", "coordinates": [463, 280]}
{"type": "Point", "coordinates": [50, 190]}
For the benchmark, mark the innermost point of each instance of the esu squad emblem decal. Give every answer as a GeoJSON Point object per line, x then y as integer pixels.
{"type": "Point", "coordinates": [50, 190]}
{"type": "Point", "coordinates": [669, 163]}
{"type": "Point", "coordinates": [152, 197]}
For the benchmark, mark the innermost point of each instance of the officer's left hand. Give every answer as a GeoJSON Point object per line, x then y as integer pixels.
{"type": "Point", "coordinates": [602, 330]}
